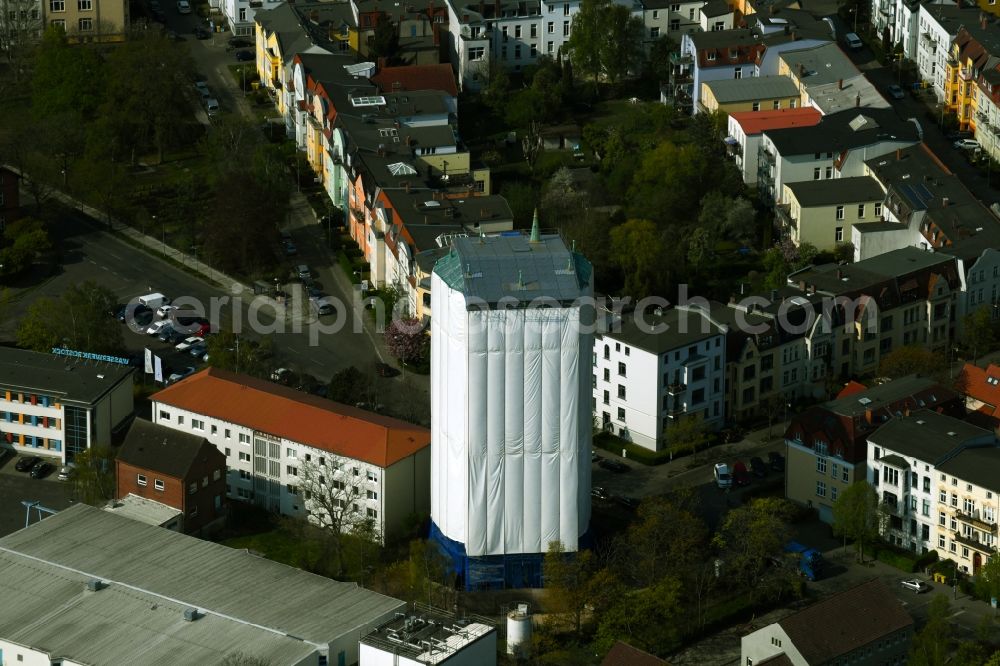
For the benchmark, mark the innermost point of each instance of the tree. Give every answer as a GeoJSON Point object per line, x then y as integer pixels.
{"type": "Point", "coordinates": [566, 587]}
{"type": "Point", "coordinates": [911, 359]}
{"type": "Point", "coordinates": [857, 516]}
{"type": "Point", "coordinates": [407, 340]}
{"type": "Point", "coordinates": [979, 331]}
{"type": "Point", "coordinates": [429, 575]}
{"type": "Point", "coordinates": [658, 61]}
{"type": "Point", "coordinates": [750, 537]}
{"type": "Point", "coordinates": [666, 537]}
{"type": "Point", "coordinates": [229, 351]}
{"type": "Point", "coordinates": [66, 78]}
{"type": "Point", "coordinates": [24, 241]}
{"type": "Point", "coordinates": [586, 38]}
{"type": "Point", "coordinates": [649, 619]}
{"type": "Point", "coordinates": [94, 475]}
{"type": "Point", "coordinates": [989, 577]}
{"type": "Point", "coordinates": [242, 231]}
{"type": "Point", "coordinates": [329, 489]}
{"type": "Point", "coordinates": [635, 248]}
{"type": "Point", "coordinates": [621, 47]}
{"type": "Point", "coordinates": [80, 319]}
{"type": "Point", "coordinates": [238, 658]}
{"type": "Point", "coordinates": [385, 43]}
{"type": "Point", "coordinates": [932, 644]}
{"type": "Point", "coordinates": [349, 385]}
{"type": "Point", "coordinates": [686, 434]}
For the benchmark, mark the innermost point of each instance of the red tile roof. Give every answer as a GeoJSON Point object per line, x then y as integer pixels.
{"type": "Point", "coordinates": [852, 387]}
{"type": "Point", "coordinates": [623, 654]}
{"type": "Point", "coordinates": [983, 385]}
{"type": "Point", "coordinates": [417, 77]}
{"type": "Point", "coordinates": [830, 628]}
{"type": "Point", "coordinates": [296, 416]}
{"type": "Point", "coordinates": [755, 122]}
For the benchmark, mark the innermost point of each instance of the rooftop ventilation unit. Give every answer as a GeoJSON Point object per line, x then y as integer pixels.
{"type": "Point", "coordinates": [94, 584]}
{"type": "Point", "coordinates": [190, 614]}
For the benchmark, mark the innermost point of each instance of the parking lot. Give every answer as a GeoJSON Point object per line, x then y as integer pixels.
{"type": "Point", "coordinates": [17, 487]}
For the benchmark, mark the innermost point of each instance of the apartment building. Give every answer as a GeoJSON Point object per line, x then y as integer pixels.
{"type": "Point", "coordinates": [282, 446]}
{"type": "Point", "coordinates": [836, 147]}
{"type": "Point", "coordinates": [824, 212]}
{"type": "Point", "coordinates": [650, 370]}
{"type": "Point", "coordinates": [57, 405]}
{"type": "Point", "coordinates": [919, 462]}
{"type": "Point", "coordinates": [89, 20]}
{"type": "Point", "coordinates": [971, 66]}
{"type": "Point", "coordinates": [938, 25]}
{"type": "Point", "coordinates": [827, 446]}
{"type": "Point", "coordinates": [21, 25]}
{"type": "Point", "coordinates": [663, 18]}
{"type": "Point", "coordinates": [176, 469]}
{"type": "Point", "coordinates": [747, 127]}
{"type": "Point", "coordinates": [121, 592]}
{"type": "Point", "coordinates": [828, 80]}
{"type": "Point", "coordinates": [828, 632]}
{"type": "Point", "coordinates": [753, 94]}
{"type": "Point", "coordinates": [927, 206]}
{"type": "Point", "coordinates": [906, 296]}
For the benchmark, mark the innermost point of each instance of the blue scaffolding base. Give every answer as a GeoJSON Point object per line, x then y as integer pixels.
{"type": "Point", "coordinates": [492, 572]}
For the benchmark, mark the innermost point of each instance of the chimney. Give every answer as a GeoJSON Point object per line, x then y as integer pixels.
{"type": "Point", "coordinates": [793, 36]}
{"type": "Point", "coordinates": [857, 101]}
{"type": "Point", "coordinates": [899, 154]}
{"type": "Point", "coordinates": [774, 295]}
{"type": "Point", "coordinates": [840, 84]}
{"type": "Point", "coordinates": [802, 70]}
{"type": "Point", "coordinates": [732, 299]}
{"type": "Point", "coordinates": [944, 202]}
{"type": "Point", "coordinates": [802, 285]}
{"type": "Point", "coordinates": [465, 18]}
{"type": "Point", "coordinates": [868, 415]}
{"type": "Point", "coordinates": [406, 186]}
{"type": "Point", "coordinates": [812, 289]}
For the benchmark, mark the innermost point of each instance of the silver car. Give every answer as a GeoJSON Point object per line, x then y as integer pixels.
{"type": "Point", "coordinates": [915, 585]}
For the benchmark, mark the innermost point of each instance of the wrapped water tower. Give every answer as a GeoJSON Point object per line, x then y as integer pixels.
{"type": "Point", "coordinates": [511, 424]}
{"type": "Point", "coordinates": [519, 631]}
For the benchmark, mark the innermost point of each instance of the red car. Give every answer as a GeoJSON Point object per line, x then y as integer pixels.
{"type": "Point", "coordinates": [741, 477]}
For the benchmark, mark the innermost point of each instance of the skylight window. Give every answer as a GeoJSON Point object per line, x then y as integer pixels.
{"type": "Point", "coordinates": [374, 100]}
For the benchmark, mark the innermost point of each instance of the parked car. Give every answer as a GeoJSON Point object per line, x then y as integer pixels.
{"type": "Point", "coordinates": [598, 492]}
{"type": "Point", "coordinates": [895, 91]}
{"type": "Point", "coordinates": [284, 376]}
{"type": "Point", "coordinates": [370, 406]}
{"type": "Point", "coordinates": [244, 56]}
{"type": "Point", "coordinates": [303, 272]}
{"type": "Point", "coordinates": [26, 463]}
{"type": "Point", "coordinates": [177, 376]}
{"type": "Point", "coordinates": [290, 249]}
{"type": "Point", "coordinates": [613, 465]}
{"type": "Point", "coordinates": [385, 370]}
{"type": "Point", "coordinates": [158, 327]}
{"type": "Point", "coordinates": [202, 89]}
{"type": "Point", "coordinates": [66, 472]}
{"type": "Point", "coordinates": [201, 33]}
{"type": "Point", "coordinates": [239, 43]}
{"type": "Point", "coordinates": [757, 467]}
{"type": "Point", "coordinates": [198, 350]}
{"type": "Point", "coordinates": [723, 478]}
{"type": "Point", "coordinates": [966, 144]}
{"type": "Point", "coordinates": [41, 470]}
{"type": "Point", "coordinates": [164, 311]}
{"type": "Point", "coordinates": [211, 106]}
{"type": "Point", "coordinates": [323, 306]}
{"type": "Point", "coordinates": [776, 461]}
{"type": "Point", "coordinates": [189, 342]}
{"type": "Point", "coordinates": [741, 477]}
{"type": "Point", "coordinates": [959, 134]}
{"type": "Point", "coordinates": [183, 7]}
{"type": "Point", "coordinates": [169, 334]}
{"type": "Point", "coordinates": [916, 585]}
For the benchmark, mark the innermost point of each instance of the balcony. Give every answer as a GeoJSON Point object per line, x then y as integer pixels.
{"type": "Point", "coordinates": [676, 388]}
{"type": "Point", "coordinates": [965, 73]}
{"type": "Point", "coordinates": [681, 59]}
{"type": "Point", "coordinates": [976, 521]}
{"type": "Point", "coordinates": [767, 157]}
{"type": "Point", "coordinates": [985, 548]}
{"type": "Point", "coordinates": [783, 216]}
{"type": "Point", "coordinates": [676, 409]}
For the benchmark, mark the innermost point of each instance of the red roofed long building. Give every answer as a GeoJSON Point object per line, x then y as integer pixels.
{"type": "Point", "coordinates": [746, 128]}
{"type": "Point", "coordinates": [279, 442]}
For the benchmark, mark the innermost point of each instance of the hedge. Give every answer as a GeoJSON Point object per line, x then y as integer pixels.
{"type": "Point", "coordinates": [904, 560]}
{"type": "Point", "coordinates": [613, 444]}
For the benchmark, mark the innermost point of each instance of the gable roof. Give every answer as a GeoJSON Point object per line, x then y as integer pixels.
{"type": "Point", "coordinates": [755, 87]}
{"type": "Point", "coordinates": [844, 130]}
{"type": "Point", "coordinates": [755, 122]}
{"type": "Point", "coordinates": [623, 654]}
{"type": "Point", "coordinates": [155, 447]}
{"type": "Point", "coordinates": [296, 416]}
{"type": "Point", "coordinates": [929, 436]}
{"type": "Point", "coordinates": [983, 385]}
{"type": "Point", "coordinates": [853, 189]}
{"type": "Point", "coordinates": [838, 616]}
{"type": "Point", "coordinates": [417, 77]}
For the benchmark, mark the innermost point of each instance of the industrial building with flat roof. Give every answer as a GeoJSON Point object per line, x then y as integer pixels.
{"type": "Point", "coordinates": [58, 405]}
{"type": "Point", "coordinates": [115, 591]}
{"type": "Point", "coordinates": [429, 636]}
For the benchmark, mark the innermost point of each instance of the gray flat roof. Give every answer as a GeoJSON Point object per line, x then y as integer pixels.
{"type": "Point", "coordinates": [69, 379]}
{"type": "Point", "coordinates": [977, 466]}
{"type": "Point", "coordinates": [490, 268]}
{"type": "Point", "coordinates": [844, 130]}
{"type": "Point", "coordinates": [674, 329]}
{"type": "Point", "coordinates": [820, 64]}
{"type": "Point", "coordinates": [160, 563]}
{"type": "Point", "coordinates": [877, 397]}
{"type": "Point", "coordinates": [856, 189]}
{"type": "Point", "coordinates": [754, 87]}
{"type": "Point", "coordinates": [928, 436]}
{"type": "Point", "coordinates": [143, 510]}
{"type": "Point", "coordinates": [429, 636]}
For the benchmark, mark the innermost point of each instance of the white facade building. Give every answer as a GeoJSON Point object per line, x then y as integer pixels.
{"type": "Point", "coordinates": [649, 371]}
{"type": "Point", "coordinates": [279, 442]}
{"type": "Point", "coordinates": [428, 637]}
{"type": "Point", "coordinates": [510, 421]}
{"type": "Point", "coordinates": [938, 23]}
{"type": "Point", "coordinates": [904, 460]}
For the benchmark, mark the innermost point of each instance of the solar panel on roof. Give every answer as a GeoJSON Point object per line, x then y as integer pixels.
{"type": "Point", "coordinates": [924, 192]}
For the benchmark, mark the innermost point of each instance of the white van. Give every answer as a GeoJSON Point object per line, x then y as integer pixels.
{"type": "Point", "coordinates": [212, 106]}
{"type": "Point", "coordinates": [853, 41]}
{"type": "Point", "coordinates": [154, 300]}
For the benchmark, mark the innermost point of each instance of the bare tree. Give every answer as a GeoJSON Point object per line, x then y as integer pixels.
{"type": "Point", "coordinates": [332, 498]}
{"type": "Point", "coordinates": [20, 28]}
{"type": "Point", "coordinates": [238, 658]}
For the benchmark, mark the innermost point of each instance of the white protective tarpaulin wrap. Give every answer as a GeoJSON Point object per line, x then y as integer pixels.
{"type": "Point", "coordinates": [511, 425]}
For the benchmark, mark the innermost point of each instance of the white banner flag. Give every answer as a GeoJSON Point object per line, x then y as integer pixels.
{"type": "Point", "coordinates": [149, 361]}
{"type": "Point", "coordinates": [158, 374]}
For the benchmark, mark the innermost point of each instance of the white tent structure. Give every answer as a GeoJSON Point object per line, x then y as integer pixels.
{"type": "Point", "coordinates": [511, 424]}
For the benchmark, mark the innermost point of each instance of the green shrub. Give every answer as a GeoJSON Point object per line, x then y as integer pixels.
{"type": "Point", "coordinates": [613, 444]}
{"type": "Point", "coordinates": [895, 557]}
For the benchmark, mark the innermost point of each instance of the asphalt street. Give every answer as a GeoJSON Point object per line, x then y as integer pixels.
{"type": "Point", "coordinates": [17, 487]}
